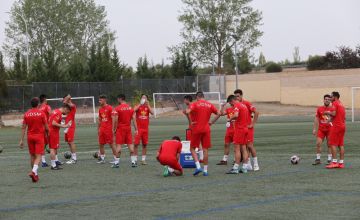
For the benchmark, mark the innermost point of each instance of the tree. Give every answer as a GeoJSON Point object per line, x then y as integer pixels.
{"type": "Point", "coordinates": [182, 64]}
{"type": "Point", "coordinates": [143, 70]}
{"type": "Point", "coordinates": [262, 60]}
{"type": "Point", "coordinates": [210, 26]}
{"type": "Point", "coordinates": [18, 73]}
{"type": "Point", "coordinates": [229, 61]}
{"type": "Point", "coordinates": [56, 30]}
{"type": "Point", "coordinates": [3, 86]}
{"type": "Point", "coordinates": [296, 55]}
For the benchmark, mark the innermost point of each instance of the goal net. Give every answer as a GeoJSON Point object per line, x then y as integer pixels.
{"type": "Point", "coordinates": [355, 104]}
{"type": "Point", "coordinates": [85, 108]}
{"type": "Point", "coordinates": [170, 104]}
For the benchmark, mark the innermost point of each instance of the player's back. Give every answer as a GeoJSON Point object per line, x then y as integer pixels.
{"type": "Point", "coordinates": [243, 117]}
{"type": "Point", "coordinates": [202, 111]}
{"type": "Point", "coordinates": [35, 120]}
{"type": "Point", "coordinates": [339, 118]}
{"type": "Point", "coordinates": [56, 116]}
{"type": "Point", "coordinates": [124, 113]}
{"type": "Point", "coordinates": [250, 108]}
{"type": "Point", "coordinates": [46, 109]}
{"type": "Point", "coordinates": [170, 148]}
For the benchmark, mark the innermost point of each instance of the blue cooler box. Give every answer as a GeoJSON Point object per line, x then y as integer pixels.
{"type": "Point", "coordinates": [187, 161]}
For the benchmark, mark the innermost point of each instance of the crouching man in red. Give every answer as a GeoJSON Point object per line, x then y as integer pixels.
{"type": "Point", "coordinates": [168, 155]}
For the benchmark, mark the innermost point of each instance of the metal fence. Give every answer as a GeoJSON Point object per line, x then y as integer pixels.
{"type": "Point", "coordinates": [19, 95]}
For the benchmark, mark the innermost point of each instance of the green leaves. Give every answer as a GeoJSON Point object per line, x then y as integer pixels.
{"type": "Point", "coordinates": [212, 26]}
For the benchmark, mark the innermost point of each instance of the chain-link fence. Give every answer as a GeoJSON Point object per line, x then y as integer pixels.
{"type": "Point", "coordinates": [19, 95]}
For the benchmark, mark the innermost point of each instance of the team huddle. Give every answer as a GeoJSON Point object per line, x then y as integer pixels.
{"type": "Point", "coordinates": [115, 129]}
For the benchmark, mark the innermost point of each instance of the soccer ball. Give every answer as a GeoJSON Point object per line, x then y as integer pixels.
{"type": "Point", "coordinates": [96, 155]}
{"type": "Point", "coordinates": [67, 155]}
{"type": "Point", "coordinates": [294, 159]}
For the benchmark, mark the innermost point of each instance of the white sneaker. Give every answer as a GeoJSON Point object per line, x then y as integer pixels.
{"type": "Point", "coordinates": [256, 167]}
{"type": "Point", "coordinates": [249, 167]}
{"type": "Point", "coordinates": [71, 161]}
{"type": "Point", "coordinates": [112, 162]}
{"type": "Point", "coordinates": [101, 162]}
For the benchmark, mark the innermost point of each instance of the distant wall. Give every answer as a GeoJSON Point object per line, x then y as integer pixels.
{"type": "Point", "coordinates": [300, 87]}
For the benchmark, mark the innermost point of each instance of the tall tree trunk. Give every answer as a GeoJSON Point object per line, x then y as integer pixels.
{"type": "Point", "coordinates": [219, 62]}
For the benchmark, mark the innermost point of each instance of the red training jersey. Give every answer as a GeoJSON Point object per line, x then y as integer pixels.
{"type": "Point", "coordinates": [242, 120]}
{"type": "Point", "coordinates": [35, 120]}
{"type": "Point", "coordinates": [124, 113]}
{"type": "Point", "coordinates": [229, 113]}
{"type": "Point", "coordinates": [339, 118]}
{"type": "Point", "coordinates": [324, 120]}
{"type": "Point", "coordinates": [46, 109]}
{"type": "Point", "coordinates": [201, 112]}
{"type": "Point", "coordinates": [142, 117]}
{"type": "Point", "coordinates": [105, 117]}
{"type": "Point", "coordinates": [170, 148]}
{"type": "Point", "coordinates": [250, 108]}
{"type": "Point", "coordinates": [71, 116]}
{"type": "Point", "coordinates": [56, 116]}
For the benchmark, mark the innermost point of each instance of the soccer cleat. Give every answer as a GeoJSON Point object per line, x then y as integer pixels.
{"type": "Point", "coordinates": [44, 164]}
{"type": "Point", "coordinates": [112, 162]}
{"type": "Point", "coordinates": [233, 171]}
{"type": "Point", "coordinates": [133, 164]}
{"type": "Point", "coordinates": [205, 174]}
{"type": "Point", "coordinates": [115, 165]}
{"type": "Point", "coordinates": [34, 177]}
{"type": "Point", "coordinates": [256, 167]}
{"type": "Point", "coordinates": [222, 162]}
{"type": "Point", "coordinates": [101, 162]}
{"type": "Point", "coordinates": [328, 162]}
{"type": "Point", "coordinates": [71, 161]}
{"type": "Point", "coordinates": [243, 170]}
{"type": "Point", "coordinates": [166, 171]}
{"type": "Point", "coordinates": [332, 165]}
{"type": "Point", "coordinates": [143, 162]}
{"type": "Point", "coordinates": [59, 163]}
{"type": "Point", "coordinates": [316, 162]}
{"type": "Point", "coordinates": [56, 168]}
{"type": "Point", "coordinates": [341, 166]}
{"type": "Point", "coordinates": [249, 167]}
{"type": "Point", "coordinates": [197, 171]}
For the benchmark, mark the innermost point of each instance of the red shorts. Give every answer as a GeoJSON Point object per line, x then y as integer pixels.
{"type": "Point", "coordinates": [240, 136]}
{"type": "Point", "coordinates": [69, 136]}
{"type": "Point", "coordinates": [36, 144]}
{"type": "Point", "coordinates": [250, 135]}
{"type": "Point", "coordinates": [229, 136]}
{"type": "Point", "coordinates": [336, 136]}
{"type": "Point", "coordinates": [106, 136]}
{"type": "Point", "coordinates": [171, 162]}
{"type": "Point", "coordinates": [203, 138]}
{"type": "Point", "coordinates": [143, 136]}
{"type": "Point", "coordinates": [54, 140]}
{"type": "Point", "coordinates": [123, 135]}
{"type": "Point", "coordinates": [323, 134]}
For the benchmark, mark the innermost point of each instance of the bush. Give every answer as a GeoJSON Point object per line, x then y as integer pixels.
{"type": "Point", "coordinates": [272, 67]}
{"type": "Point", "coordinates": [316, 63]}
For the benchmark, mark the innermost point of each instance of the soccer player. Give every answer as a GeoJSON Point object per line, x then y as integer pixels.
{"type": "Point", "coordinates": [229, 134]}
{"type": "Point", "coordinates": [241, 114]}
{"type": "Point", "coordinates": [168, 155]}
{"type": "Point", "coordinates": [251, 124]}
{"type": "Point", "coordinates": [70, 132]}
{"type": "Point", "coordinates": [190, 117]}
{"type": "Point", "coordinates": [337, 131]}
{"type": "Point", "coordinates": [201, 134]}
{"type": "Point", "coordinates": [141, 116]}
{"type": "Point", "coordinates": [321, 129]}
{"type": "Point", "coordinates": [105, 128]}
{"type": "Point", "coordinates": [122, 116]}
{"type": "Point", "coordinates": [54, 136]}
{"type": "Point", "coordinates": [36, 125]}
{"type": "Point", "coordinates": [46, 109]}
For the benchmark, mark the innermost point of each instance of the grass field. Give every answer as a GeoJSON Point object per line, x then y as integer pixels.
{"type": "Point", "coordinates": [278, 191]}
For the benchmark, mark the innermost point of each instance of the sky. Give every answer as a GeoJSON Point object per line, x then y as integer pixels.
{"type": "Point", "coordinates": [151, 26]}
